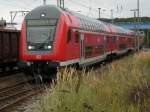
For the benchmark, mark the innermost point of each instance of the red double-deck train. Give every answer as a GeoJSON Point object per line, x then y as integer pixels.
{"type": "Point", "coordinates": [53, 37]}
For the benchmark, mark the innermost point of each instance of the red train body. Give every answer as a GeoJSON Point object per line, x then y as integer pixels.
{"type": "Point", "coordinates": [55, 37]}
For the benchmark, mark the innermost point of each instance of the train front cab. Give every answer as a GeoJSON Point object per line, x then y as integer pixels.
{"type": "Point", "coordinates": [41, 44]}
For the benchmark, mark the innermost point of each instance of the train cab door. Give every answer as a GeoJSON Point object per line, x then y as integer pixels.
{"type": "Point", "coordinates": [82, 48]}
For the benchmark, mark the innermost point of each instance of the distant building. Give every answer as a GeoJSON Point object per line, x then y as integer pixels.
{"type": "Point", "coordinates": [130, 23]}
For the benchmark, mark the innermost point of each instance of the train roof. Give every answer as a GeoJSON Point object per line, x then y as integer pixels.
{"type": "Point", "coordinates": [86, 23]}
{"type": "Point", "coordinates": [37, 12]}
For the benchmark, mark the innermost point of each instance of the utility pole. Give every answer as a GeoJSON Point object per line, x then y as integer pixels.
{"type": "Point", "coordinates": [13, 14]}
{"type": "Point", "coordinates": [111, 11]}
{"type": "Point", "coordinates": [57, 3]}
{"type": "Point", "coordinates": [135, 26]}
{"type": "Point", "coordinates": [99, 9]}
{"type": "Point", "coordinates": [135, 20]}
{"type": "Point", "coordinates": [44, 2]}
{"type": "Point", "coordinates": [61, 3]}
{"type": "Point", "coordinates": [138, 24]}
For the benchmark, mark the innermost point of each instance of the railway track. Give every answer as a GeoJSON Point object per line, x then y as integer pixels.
{"type": "Point", "coordinates": [9, 72]}
{"type": "Point", "coordinates": [14, 89]}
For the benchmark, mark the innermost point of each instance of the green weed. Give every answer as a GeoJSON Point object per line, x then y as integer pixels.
{"type": "Point", "coordinates": [123, 86]}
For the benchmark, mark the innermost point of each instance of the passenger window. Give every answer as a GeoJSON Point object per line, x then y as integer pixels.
{"type": "Point", "coordinates": [107, 39]}
{"type": "Point", "coordinates": [114, 39]}
{"type": "Point", "coordinates": [69, 36]}
{"type": "Point", "coordinates": [77, 36]}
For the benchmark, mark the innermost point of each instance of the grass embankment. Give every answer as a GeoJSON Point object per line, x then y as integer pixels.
{"type": "Point", "coordinates": [124, 86]}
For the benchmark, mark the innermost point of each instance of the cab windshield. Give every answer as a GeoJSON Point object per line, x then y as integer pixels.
{"type": "Point", "coordinates": [41, 31]}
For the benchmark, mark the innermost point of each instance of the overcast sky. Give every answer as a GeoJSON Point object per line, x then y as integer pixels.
{"type": "Point", "coordinates": [121, 8]}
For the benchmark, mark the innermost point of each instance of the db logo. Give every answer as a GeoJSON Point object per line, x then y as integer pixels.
{"type": "Point", "coordinates": [38, 57]}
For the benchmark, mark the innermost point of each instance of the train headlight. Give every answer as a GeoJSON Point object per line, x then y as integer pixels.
{"type": "Point", "coordinates": [49, 47]}
{"type": "Point", "coordinates": [30, 47]}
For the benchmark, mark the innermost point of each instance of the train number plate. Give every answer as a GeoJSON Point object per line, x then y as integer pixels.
{"type": "Point", "coordinates": [38, 57]}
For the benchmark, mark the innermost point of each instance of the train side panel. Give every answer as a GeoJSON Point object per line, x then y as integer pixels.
{"type": "Point", "coordinates": [94, 45]}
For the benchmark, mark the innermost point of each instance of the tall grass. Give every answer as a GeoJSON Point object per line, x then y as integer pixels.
{"type": "Point", "coordinates": [122, 86]}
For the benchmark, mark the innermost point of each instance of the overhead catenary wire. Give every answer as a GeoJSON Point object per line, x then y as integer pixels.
{"type": "Point", "coordinates": [9, 4]}
{"type": "Point", "coordinates": [29, 5]}
{"type": "Point", "coordinates": [19, 4]}
{"type": "Point", "coordinates": [15, 8]}
{"type": "Point", "coordinates": [86, 7]}
{"type": "Point", "coordinates": [15, 4]}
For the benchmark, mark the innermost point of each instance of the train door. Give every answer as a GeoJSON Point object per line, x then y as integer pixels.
{"type": "Point", "coordinates": [117, 43]}
{"type": "Point", "coordinates": [114, 41]}
{"type": "Point", "coordinates": [73, 45]}
{"type": "Point", "coordinates": [108, 43]}
{"type": "Point", "coordinates": [82, 48]}
{"type": "Point", "coordinates": [105, 44]}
